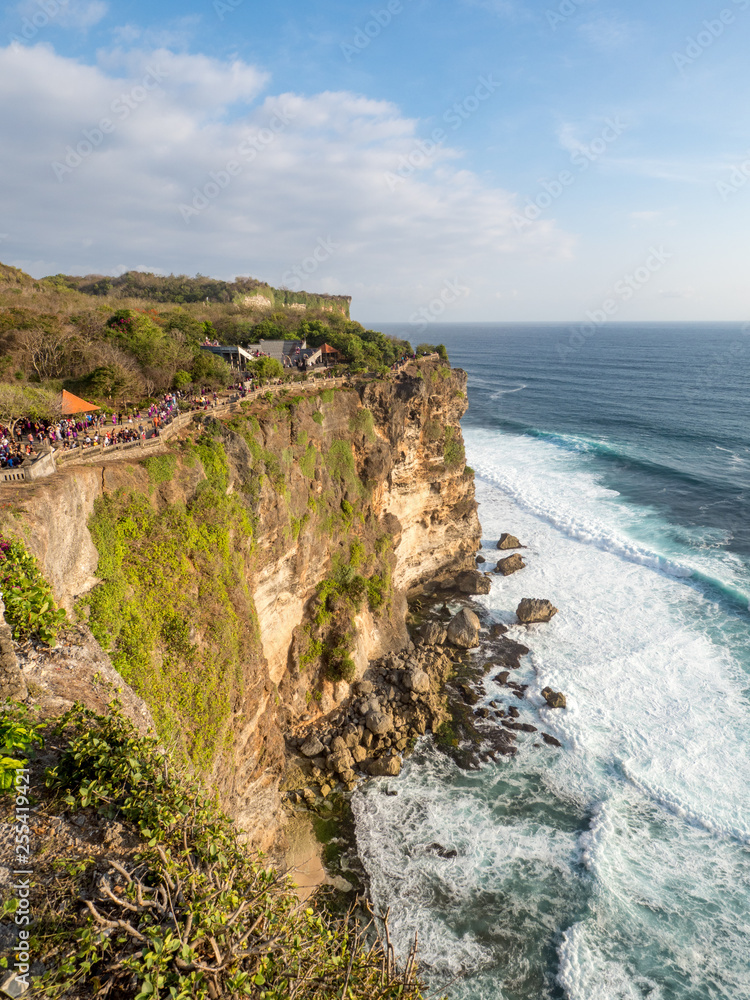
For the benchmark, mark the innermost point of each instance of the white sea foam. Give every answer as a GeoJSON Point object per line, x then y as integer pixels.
{"type": "Point", "coordinates": [632, 840]}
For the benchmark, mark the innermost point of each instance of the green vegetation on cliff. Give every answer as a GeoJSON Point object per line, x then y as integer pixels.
{"type": "Point", "coordinates": [189, 913]}
{"type": "Point", "coordinates": [169, 576]}
{"type": "Point", "coordinates": [30, 607]}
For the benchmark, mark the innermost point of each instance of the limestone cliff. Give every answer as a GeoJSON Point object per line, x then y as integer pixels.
{"type": "Point", "coordinates": [244, 578]}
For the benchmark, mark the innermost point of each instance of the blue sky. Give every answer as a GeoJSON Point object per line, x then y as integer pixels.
{"type": "Point", "coordinates": [506, 160]}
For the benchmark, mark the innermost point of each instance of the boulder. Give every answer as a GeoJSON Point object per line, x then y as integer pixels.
{"type": "Point", "coordinates": [532, 610]}
{"type": "Point", "coordinates": [508, 653]}
{"type": "Point", "coordinates": [502, 678]}
{"type": "Point", "coordinates": [417, 680]}
{"type": "Point", "coordinates": [498, 630]}
{"type": "Point", "coordinates": [442, 852]}
{"type": "Point", "coordinates": [432, 634]}
{"type": "Point", "coordinates": [550, 740]}
{"type": "Point", "coordinates": [473, 582]}
{"type": "Point", "coordinates": [385, 767]}
{"type": "Point", "coordinates": [338, 744]}
{"type": "Point", "coordinates": [555, 699]}
{"type": "Point", "coordinates": [379, 723]}
{"type": "Point", "coordinates": [480, 560]}
{"type": "Point", "coordinates": [509, 542]}
{"type": "Point", "coordinates": [342, 762]}
{"type": "Point", "coordinates": [358, 754]}
{"type": "Point", "coordinates": [509, 565]}
{"type": "Point", "coordinates": [463, 630]}
{"type": "Point", "coordinates": [312, 747]}
{"type": "Point", "coordinates": [365, 688]}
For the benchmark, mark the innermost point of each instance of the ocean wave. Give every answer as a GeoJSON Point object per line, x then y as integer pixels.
{"type": "Point", "coordinates": [565, 513]}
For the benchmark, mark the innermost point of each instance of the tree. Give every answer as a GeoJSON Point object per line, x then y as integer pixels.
{"type": "Point", "coordinates": [265, 368]}
{"type": "Point", "coordinates": [209, 369]}
{"type": "Point", "coordinates": [34, 402]}
{"type": "Point", "coordinates": [49, 353]}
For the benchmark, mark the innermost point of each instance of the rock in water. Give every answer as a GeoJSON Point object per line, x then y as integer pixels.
{"type": "Point", "coordinates": [473, 582]}
{"type": "Point", "coordinates": [443, 852]}
{"type": "Point", "coordinates": [385, 767]}
{"type": "Point", "coordinates": [555, 699]}
{"type": "Point", "coordinates": [510, 565]}
{"type": "Point", "coordinates": [550, 740]}
{"type": "Point", "coordinates": [480, 560]}
{"type": "Point", "coordinates": [509, 542]}
{"type": "Point", "coordinates": [497, 630]}
{"type": "Point", "coordinates": [532, 610]}
{"type": "Point", "coordinates": [463, 630]}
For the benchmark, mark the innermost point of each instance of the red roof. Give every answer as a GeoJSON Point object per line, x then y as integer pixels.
{"type": "Point", "coordinates": [74, 404]}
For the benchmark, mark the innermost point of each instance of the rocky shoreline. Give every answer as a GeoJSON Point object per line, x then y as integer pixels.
{"type": "Point", "coordinates": [435, 685]}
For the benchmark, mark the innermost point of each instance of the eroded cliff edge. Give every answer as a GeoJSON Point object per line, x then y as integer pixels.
{"type": "Point", "coordinates": [245, 577]}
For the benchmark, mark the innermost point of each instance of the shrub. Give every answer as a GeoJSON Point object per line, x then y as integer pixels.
{"type": "Point", "coordinates": [453, 452]}
{"type": "Point", "coordinates": [197, 916]}
{"type": "Point", "coordinates": [363, 422]}
{"type": "Point", "coordinates": [30, 607]}
{"type": "Point", "coordinates": [17, 736]}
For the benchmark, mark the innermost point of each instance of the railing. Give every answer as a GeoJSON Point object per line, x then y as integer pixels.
{"type": "Point", "coordinates": [12, 476]}
{"type": "Point", "coordinates": [93, 453]}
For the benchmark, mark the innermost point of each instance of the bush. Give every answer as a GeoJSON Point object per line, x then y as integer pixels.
{"type": "Point", "coordinates": [30, 607]}
{"type": "Point", "coordinates": [453, 452]}
{"type": "Point", "coordinates": [197, 917]}
{"type": "Point", "coordinates": [17, 736]}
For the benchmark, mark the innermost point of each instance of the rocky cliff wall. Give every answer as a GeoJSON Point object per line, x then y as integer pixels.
{"type": "Point", "coordinates": [243, 581]}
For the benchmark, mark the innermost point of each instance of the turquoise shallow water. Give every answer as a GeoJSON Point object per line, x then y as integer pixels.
{"type": "Point", "coordinates": [619, 866]}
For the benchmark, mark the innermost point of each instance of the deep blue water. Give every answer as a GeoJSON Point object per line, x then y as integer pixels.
{"type": "Point", "coordinates": [619, 866]}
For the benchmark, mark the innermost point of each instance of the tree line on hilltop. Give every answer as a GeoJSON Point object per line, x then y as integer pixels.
{"type": "Point", "coordinates": [120, 341]}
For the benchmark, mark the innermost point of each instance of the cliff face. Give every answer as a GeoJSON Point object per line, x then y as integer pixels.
{"type": "Point", "coordinates": [248, 575]}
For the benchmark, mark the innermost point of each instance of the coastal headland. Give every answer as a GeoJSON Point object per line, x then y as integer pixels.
{"type": "Point", "coordinates": [241, 596]}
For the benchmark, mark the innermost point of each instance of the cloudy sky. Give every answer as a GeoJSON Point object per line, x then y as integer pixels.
{"type": "Point", "coordinates": [521, 159]}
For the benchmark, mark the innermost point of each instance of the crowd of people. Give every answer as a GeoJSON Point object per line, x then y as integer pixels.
{"type": "Point", "coordinates": [27, 437]}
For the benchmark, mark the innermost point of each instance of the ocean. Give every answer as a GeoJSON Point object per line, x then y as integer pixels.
{"type": "Point", "coordinates": [616, 867]}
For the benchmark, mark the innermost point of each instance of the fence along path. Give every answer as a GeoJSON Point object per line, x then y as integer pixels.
{"type": "Point", "coordinates": [94, 453]}
{"type": "Point", "coordinates": [154, 443]}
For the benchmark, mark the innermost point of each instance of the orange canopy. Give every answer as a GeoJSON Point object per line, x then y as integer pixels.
{"type": "Point", "coordinates": [73, 404]}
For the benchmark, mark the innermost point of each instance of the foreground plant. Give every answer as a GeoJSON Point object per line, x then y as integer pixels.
{"type": "Point", "coordinates": [194, 915]}
{"type": "Point", "coordinates": [30, 608]}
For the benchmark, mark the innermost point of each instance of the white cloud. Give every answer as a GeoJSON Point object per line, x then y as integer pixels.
{"type": "Point", "coordinates": [75, 14]}
{"type": "Point", "coordinates": [318, 171]}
